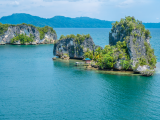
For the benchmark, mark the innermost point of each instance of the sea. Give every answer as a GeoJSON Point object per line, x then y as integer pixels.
{"type": "Point", "coordinates": [34, 87]}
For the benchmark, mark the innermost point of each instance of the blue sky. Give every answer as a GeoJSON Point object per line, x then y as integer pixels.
{"type": "Point", "coordinates": [112, 10]}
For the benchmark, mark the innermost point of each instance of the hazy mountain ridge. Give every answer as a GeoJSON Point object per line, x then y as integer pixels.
{"type": "Point", "coordinates": [63, 22]}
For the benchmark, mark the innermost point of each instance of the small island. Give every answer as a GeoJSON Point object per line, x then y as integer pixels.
{"type": "Point", "coordinates": [129, 48]}
{"type": "Point", "coordinates": [26, 34]}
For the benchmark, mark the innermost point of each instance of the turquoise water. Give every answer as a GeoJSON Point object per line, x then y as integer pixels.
{"type": "Point", "coordinates": [32, 86]}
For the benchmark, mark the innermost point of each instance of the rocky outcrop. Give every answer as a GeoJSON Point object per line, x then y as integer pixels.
{"type": "Point", "coordinates": [137, 39]}
{"type": "Point", "coordinates": [72, 48]}
{"type": "Point", "coordinates": [145, 70]}
{"type": "Point", "coordinates": [14, 30]}
{"type": "Point", "coordinates": [118, 65]}
{"type": "Point", "coordinates": [49, 38]}
{"type": "Point", "coordinates": [135, 42]}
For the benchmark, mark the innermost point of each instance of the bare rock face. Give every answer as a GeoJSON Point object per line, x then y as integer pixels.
{"type": "Point", "coordinates": [14, 30]}
{"type": "Point", "coordinates": [145, 70]}
{"type": "Point", "coordinates": [72, 48]}
{"type": "Point", "coordinates": [48, 39]}
{"type": "Point", "coordinates": [142, 68]}
{"type": "Point", "coordinates": [118, 65]}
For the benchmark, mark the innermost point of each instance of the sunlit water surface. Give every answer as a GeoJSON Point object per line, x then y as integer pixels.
{"type": "Point", "coordinates": [32, 86]}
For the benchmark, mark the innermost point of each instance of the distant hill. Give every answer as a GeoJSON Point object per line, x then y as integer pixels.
{"type": "Point", "coordinates": [56, 22]}
{"type": "Point", "coordinates": [63, 22]}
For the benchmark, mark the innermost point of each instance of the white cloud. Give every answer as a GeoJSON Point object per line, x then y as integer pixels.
{"type": "Point", "coordinates": [125, 3]}
{"type": "Point", "coordinates": [15, 3]}
{"type": "Point", "coordinates": [9, 2]}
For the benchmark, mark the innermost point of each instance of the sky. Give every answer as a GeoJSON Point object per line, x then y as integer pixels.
{"type": "Point", "coordinates": [111, 10]}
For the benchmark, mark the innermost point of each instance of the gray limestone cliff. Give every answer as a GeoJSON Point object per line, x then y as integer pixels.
{"type": "Point", "coordinates": [138, 43]}
{"type": "Point", "coordinates": [135, 42]}
{"type": "Point", "coordinates": [74, 47]}
{"type": "Point", "coordinates": [12, 31]}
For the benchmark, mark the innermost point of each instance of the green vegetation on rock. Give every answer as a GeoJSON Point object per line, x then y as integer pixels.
{"type": "Point", "coordinates": [151, 58]}
{"type": "Point", "coordinates": [125, 64]}
{"type": "Point", "coordinates": [89, 54]}
{"type": "Point", "coordinates": [130, 29]}
{"type": "Point", "coordinates": [107, 57]}
{"type": "Point", "coordinates": [43, 30]}
{"type": "Point", "coordinates": [78, 38]}
{"type": "Point", "coordinates": [3, 28]}
{"type": "Point", "coordinates": [23, 39]}
{"type": "Point", "coordinates": [130, 33]}
{"type": "Point", "coordinates": [129, 24]}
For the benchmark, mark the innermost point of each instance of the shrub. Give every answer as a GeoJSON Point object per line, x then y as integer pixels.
{"type": "Point", "coordinates": [23, 39]}
{"type": "Point", "coordinates": [151, 58]}
{"type": "Point", "coordinates": [142, 61]}
{"type": "Point", "coordinates": [88, 54]}
{"type": "Point", "coordinates": [120, 56]}
{"type": "Point", "coordinates": [44, 30]}
{"type": "Point", "coordinates": [107, 61]}
{"type": "Point", "coordinates": [128, 25]}
{"type": "Point", "coordinates": [107, 57]}
{"type": "Point", "coordinates": [77, 38]}
{"type": "Point", "coordinates": [125, 64]}
{"type": "Point", "coordinates": [147, 33]}
{"type": "Point", "coordinates": [3, 28]}
{"type": "Point", "coordinates": [88, 36]}
{"type": "Point", "coordinates": [62, 37]}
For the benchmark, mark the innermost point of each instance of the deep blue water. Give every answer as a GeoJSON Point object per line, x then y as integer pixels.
{"type": "Point", "coordinates": [32, 86]}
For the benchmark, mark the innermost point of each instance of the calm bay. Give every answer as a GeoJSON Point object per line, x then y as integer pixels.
{"type": "Point", "coordinates": [32, 86]}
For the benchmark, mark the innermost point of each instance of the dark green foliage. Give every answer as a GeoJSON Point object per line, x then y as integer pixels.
{"type": "Point", "coordinates": [152, 60]}
{"type": "Point", "coordinates": [25, 24]}
{"type": "Point", "coordinates": [125, 64]}
{"type": "Point", "coordinates": [23, 39]}
{"type": "Point", "coordinates": [88, 54]}
{"type": "Point", "coordinates": [120, 56]}
{"type": "Point", "coordinates": [128, 25]}
{"type": "Point", "coordinates": [147, 33]}
{"type": "Point", "coordinates": [107, 57]}
{"type": "Point", "coordinates": [87, 36]}
{"type": "Point", "coordinates": [44, 30]}
{"type": "Point", "coordinates": [3, 28]}
{"type": "Point", "coordinates": [78, 38]}
{"type": "Point", "coordinates": [62, 37]}
{"type": "Point", "coordinates": [107, 61]}
{"type": "Point", "coordinates": [142, 61]}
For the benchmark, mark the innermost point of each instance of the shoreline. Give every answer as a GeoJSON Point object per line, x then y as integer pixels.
{"type": "Point", "coordinates": [104, 71]}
